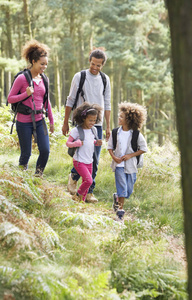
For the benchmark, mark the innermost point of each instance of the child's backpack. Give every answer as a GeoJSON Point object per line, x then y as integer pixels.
{"type": "Point", "coordinates": [24, 109]}
{"type": "Point", "coordinates": [134, 139]}
{"type": "Point", "coordinates": [71, 151]}
{"type": "Point", "coordinates": [81, 83]}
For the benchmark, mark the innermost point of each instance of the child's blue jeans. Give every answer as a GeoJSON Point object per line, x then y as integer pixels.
{"type": "Point", "coordinates": [124, 182]}
{"type": "Point", "coordinates": [25, 132]}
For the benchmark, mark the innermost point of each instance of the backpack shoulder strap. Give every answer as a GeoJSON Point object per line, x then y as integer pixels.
{"type": "Point", "coordinates": [134, 144]}
{"type": "Point", "coordinates": [104, 81]}
{"type": "Point", "coordinates": [46, 96]}
{"type": "Point", "coordinates": [114, 137]}
{"type": "Point", "coordinates": [134, 140]}
{"type": "Point", "coordinates": [81, 133]}
{"type": "Point", "coordinates": [94, 130]}
{"type": "Point", "coordinates": [80, 90]}
{"type": "Point", "coordinates": [45, 80]}
{"type": "Point", "coordinates": [28, 76]}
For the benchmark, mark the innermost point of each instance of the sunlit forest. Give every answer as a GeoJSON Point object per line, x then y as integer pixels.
{"type": "Point", "coordinates": [52, 248]}
{"type": "Point", "coordinates": [135, 35]}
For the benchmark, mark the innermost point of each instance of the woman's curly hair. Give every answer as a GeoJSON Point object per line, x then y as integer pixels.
{"type": "Point", "coordinates": [85, 109]}
{"type": "Point", "coordinates": [33, 50]}
{"type": "Point", "coordinates": [135, 114]}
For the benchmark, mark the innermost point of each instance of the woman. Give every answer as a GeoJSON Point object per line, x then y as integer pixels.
{"type": "Point", "coordinates": [33, 123]}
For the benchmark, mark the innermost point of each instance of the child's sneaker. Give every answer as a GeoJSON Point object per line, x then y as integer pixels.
{"type": "Point", "coordinates": [115, 202]}
{"type": "Point", "coordinates": [78, 198]}
{"type": "Point", "coordinates": [120, 215]}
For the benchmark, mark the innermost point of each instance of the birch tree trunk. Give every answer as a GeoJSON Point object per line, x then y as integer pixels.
{"type": "Point", "coordinates": [180, 20]}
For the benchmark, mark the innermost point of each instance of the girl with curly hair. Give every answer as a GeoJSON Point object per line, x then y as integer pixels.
{"type": "Point", "coordinates": [32, 122]}
{"type": "Point", "coordinates": [86, 115]}
{"type": "Point", "coordinates": [132, 116]}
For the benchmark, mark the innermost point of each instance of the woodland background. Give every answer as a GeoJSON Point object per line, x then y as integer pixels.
{"type": "Point", "coordinates": [53, 248]}
{"type": "Point", "coordinates": [134, 33]}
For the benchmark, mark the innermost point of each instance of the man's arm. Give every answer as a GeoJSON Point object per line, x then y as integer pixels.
{"type": "Point", "coordinates": [65, 128]}
{"type": "Point", "coordinates": [107, 118]}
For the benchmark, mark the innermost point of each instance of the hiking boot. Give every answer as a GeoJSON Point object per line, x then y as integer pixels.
{"type": "Point", "coordinates": [23, 167]}
{"type": "Point", "coordinates": [90, 198]}
{"type": "Point", "coordinates": [78, 198]}
{"type": "Point", "coordinates": [120, 215]}
{"type": "Point", "coordinates": [72, 185]}
{"type": "Point", "coordinates": [38, 173]}
{"type": "Point", "coordinates": [115, 202]}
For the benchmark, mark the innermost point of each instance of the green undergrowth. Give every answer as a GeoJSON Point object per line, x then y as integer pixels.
{"type": "Point", "coordinates": [53, 248]}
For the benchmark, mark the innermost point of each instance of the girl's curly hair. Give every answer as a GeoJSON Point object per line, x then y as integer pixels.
{"type": "Point", "coordinates": [85, 109]}
{"type": "Point", "coordinates": [135, 114]}
{"type": "Point", "coordinates": [34, 50]}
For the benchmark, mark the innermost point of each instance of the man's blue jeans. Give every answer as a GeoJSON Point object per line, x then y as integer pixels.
{"type": "Point", "coordinates": [75, 176]}
{"type": "Point", "coordinates": [25, 132]}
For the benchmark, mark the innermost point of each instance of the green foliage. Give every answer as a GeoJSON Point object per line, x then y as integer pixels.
{"type": "Point", "coordinates": [136, 37]}
{"type": "Point", "coordinates": [143, 271]}
{"type": "Point", "coordinates": [54, 248]}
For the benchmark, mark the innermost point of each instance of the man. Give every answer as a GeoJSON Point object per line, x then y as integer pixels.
{"type": "Point", "coordinates": [93, 89]}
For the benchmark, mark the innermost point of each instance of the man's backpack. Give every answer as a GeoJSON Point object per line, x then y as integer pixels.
{"type": "Point", "coordinates": [71, 151]}
{"type": "Point", "coordinates": [134, 139]}
{"type": "Point", "coordinates": [81, 83]}
{"type": "Point", "coordinates": [24, 109]}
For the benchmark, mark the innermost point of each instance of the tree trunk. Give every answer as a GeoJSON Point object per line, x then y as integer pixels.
{"type": "Point", "coordinates": [28, 30]}
{"type": "Point", "coordinates": [72, 36]}
{"type": "Point", "coordinates": [57, 83]}
{"type": "Point", "coordinates": [8, 20]}
{"type": "Point", "coordinates": [180, 13]}
{"type": "Point", "coordinates": [116, 93]}
{"type": "Point", "coordinates": [112, 125]}
{"type": "Point", "coordinates": [144, 129]}
{"type": "Point", "coordinates": [8, 82]}
{"type": "Point", "coordinates": [81, 48]}
{"type": "Point", "coordinates": [1, 86]}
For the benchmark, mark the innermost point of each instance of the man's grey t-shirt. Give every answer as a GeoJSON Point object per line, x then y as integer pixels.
{"type": "Point", "coordinates": [93, 91]}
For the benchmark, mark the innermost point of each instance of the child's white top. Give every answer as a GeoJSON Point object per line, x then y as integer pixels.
{"type": "Point", "coordinates": [85, 152]}
{"type": "Point", "coordinates": [130, 165]}
{"type": "Point", "coordinates": [123, 139]}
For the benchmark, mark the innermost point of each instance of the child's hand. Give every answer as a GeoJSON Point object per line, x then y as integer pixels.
{"type": "Point", "coordinates": [78, 143]}
{"type": "Point", "coordinates": [98, 143]}
{"type": "Point", "coordinates": [118, 160]}
{"type": "Point", "coordinates": [126, 157]}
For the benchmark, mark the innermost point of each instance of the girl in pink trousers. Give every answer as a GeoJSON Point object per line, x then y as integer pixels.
{"type": "Point", "coordinates": [86, 115]}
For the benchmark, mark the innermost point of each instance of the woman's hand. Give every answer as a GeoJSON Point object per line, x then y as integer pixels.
{"type": "Point", "coordinates": [29, 90]}
{"type": "Point", "coordinates": [51, 128]}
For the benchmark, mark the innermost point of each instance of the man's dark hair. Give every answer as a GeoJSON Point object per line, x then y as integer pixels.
{"type": "Point", "coordinates": [98, 53]}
